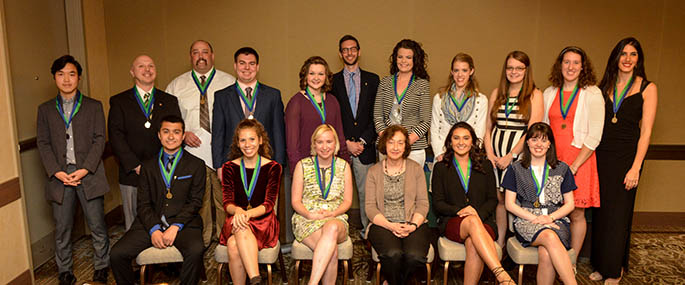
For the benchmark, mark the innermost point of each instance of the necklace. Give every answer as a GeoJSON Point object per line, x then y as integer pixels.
{"type": "Point", "coordinates": [398, 172]}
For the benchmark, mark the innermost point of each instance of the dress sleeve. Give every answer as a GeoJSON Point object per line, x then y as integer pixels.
{"type": "Point", "coordinates": [227, 186]}
{"type": "Point", "coordinates": [509, 180]}
{"type": "Point", "coordinates": [292, 131]}
{"type": "Point", "coordinates": [569, 183]}
{"type": "Point", "coordinates": [272, 187]}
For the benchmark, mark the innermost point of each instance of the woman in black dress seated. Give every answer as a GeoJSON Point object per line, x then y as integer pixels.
{"type": "Point", "coordinates": [466, 209]}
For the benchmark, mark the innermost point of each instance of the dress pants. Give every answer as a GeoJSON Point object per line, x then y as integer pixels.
{"type": "Point", "coordinates": [213, 199]}
{"type": "Point", "coordinates": [63, 214]}
{"type": "Point", "coordinates": [400, 257]}
{"type": "Point", "coordinates": [129, 202]}
{"type": "Point", "coordinates": [188, 242]}
{"type": "Point", "coordinates": [360, 170]}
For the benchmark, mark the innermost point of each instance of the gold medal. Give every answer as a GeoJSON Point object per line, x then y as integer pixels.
{"type": "Point", "coordinates": [249, 206]}
{"type": "Point", "coordinates": [168, 194]}
{"type": "Point", "coordinates": [563, 126]}
{"type": "Point", "coordinates": [537, 203]}
{"type": "Point", "coordinates": [202, 99]}
{"type": "Point", "coordinates": [614, 119]}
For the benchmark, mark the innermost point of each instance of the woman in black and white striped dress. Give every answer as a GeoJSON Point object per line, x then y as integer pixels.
{"type": "Point", "coordinates": [513, 106]}
{"type": "Point", "coordinates": [403, 97]}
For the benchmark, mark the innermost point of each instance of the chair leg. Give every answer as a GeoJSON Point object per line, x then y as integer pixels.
{"type": "Point", "coordinates": [378, 273]}
{"type": "Point", "coordinates": [369, 274]}
{"type": "Point", "coordinates": [297, 272]}
{"type": "Point", "coordinates": [142, 274]}
{"type": "Point", "coordinates": [428, 273]}
{"type": "Point", "coordinates": [351, 272]}
{"type": "Point", "coordinates": [345, 271]}
{"type": "Point", "coordinates": [219, 277]}
{"type": "Point", "coordinates": [268, 274]}
{"type": "Point", "coordinates": [445, 272]}
{"type": "Point", "coordinates": [520, 274]}
{"type": "Point", "coordinates": [284, 275]}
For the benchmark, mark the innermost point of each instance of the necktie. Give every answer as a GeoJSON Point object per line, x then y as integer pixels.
{"type": "Point", "coordinates": [248, 91]}
{"type": "Point", "coordinates": [353, 95]}
{"type": "Point", "coordinates": [169, 163]}
{"type": "Point", "coordinates": [146, 100]}
{"type": "Point", "coordinates": [204, 108]}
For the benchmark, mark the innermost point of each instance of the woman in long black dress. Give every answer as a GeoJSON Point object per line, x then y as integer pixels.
{"type": "Point", "coordinates": [630, 109]}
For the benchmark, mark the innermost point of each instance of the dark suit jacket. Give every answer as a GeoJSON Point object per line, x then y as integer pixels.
{"type": "Point", "coordinates": [88, 126]}
{"type": "Point", "coordinates": [187, 188]}
{"type": "Point", "coordinates": [361, 126]}
{"type": "Point", "coordinates": [131, 142]}
{"type": "Point", "coordinates": [228, 113]}
{"type": "Point", "coordinates": [449, 196]}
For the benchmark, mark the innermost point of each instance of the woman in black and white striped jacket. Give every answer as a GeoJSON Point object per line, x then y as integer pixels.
{"type": "Point", "coordinates": [403, 97]}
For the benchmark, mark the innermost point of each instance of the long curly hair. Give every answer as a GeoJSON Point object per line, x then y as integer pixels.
{"type": "Point", "coordinates": [587, 73]}
{"type": "Point", "coordinates": [305, 69]}
{"type": "Point", "coordinates": [420, 58]}
{"type": "Point", "coordinates": [264, 149]}
{"type": "Point", "coordinates": [527, 88]}
{"type": "Point", "coordinates": [611, 71]}
{"type": "Point", "coordinates": [476, 154]}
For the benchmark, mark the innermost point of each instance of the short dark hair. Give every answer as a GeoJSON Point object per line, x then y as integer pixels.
{"type": "Point", "coordinates": [173, 119]}
{"type": "Point", "coordinates": [540, 130]}
{"type": "Point", "coordinates": [247, 51]}
{"type": "Point", "coordinates": [62, 61]}
{"type": "Point", "coordinates": [388, 134]}
{"type": "Point", "coordinates": [347, 38]}
{"type": "Point", "coordinates": [210, 45]}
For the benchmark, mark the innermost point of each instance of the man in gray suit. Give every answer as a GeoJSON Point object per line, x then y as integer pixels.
{"type": "Point", "coordinates": [71, 138]}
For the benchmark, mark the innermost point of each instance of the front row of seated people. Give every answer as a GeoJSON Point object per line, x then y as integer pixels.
{"type": "Point", "coordinates": [171, 189]}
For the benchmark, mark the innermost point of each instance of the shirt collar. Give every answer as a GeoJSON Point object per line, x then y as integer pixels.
{"type": "Point", "coordinates": [142, 92]}
{"type": "Point", "coordinates": [206, 75]}
{"type": "Point", "coordinates": [348, 73]}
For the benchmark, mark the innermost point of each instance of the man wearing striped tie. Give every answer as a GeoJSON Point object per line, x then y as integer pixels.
{"type": "Point", "coordinates": [195, 92]}
{"type": "Point", "coordinates": [133, 121]}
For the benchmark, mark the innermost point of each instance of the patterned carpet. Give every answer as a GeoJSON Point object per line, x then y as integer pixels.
{"type": "Point", "coordinates": [657, 255]}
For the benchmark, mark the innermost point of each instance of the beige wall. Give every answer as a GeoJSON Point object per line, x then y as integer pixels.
{"type": "Point", "coordinates": [15, 256]}
{"type": "Point", "coordinates": [286, 33]}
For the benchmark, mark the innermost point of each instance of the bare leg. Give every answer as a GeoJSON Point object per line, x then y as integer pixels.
{"type": "Point", "coordinates": [473, 266]}
{"type": "Point", "coordinates": [235, 264]}
{"type": "Point", "coordinates": [247, 246]}
{"type": "Point", "coordinates": [331, 272]}
{"type": "Point", "coordinates": [546, 272]}
{"type": "Point", "coordinates": [578, 229]}
{"type": "Point", "coordinates": [501, 220]}
{"type": "Point", "coordinates": [472, 230]}
{"type": "Point", "coordinates": [324, 242]}
{"type": "Point", "coordinates": [557, 253]}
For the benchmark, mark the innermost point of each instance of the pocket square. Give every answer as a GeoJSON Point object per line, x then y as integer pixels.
{"type": "Point", "coordinates": [183, 177]}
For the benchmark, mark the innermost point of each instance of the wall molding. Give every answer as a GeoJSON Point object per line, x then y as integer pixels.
{"type": "Point", "coordinates": [665, 152]}
{"type": "Point", "coordinates": [676, 219]}
{"type": "Point", "coordinates": [10, 191]}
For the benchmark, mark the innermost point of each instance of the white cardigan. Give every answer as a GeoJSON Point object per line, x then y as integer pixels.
{"type": "Point", "coordinates": [589, 119]}
{"type": "Point", "coordinates": [440, 126]}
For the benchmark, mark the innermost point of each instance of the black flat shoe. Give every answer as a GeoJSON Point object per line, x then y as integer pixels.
{"type": "Point", "coordinates": [67, 278]}
{"type": "Point", "coordinates": [101, 275]}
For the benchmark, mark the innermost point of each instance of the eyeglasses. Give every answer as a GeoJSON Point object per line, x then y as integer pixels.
{"type": "Point", "coordinates": [348, 50]}
{"type": "Point", "coordinates": [517, 68]}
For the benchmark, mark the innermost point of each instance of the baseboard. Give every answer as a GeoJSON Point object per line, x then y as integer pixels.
{"type": "Point", "coordinates": [676, 219]}
{"type": "Point", "coordinates": [43, 250]}
{"type": "Point", "coordinates": [23, 278]}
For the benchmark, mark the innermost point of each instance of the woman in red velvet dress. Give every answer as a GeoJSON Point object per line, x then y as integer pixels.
{"type": "Point", "coordinates": [250, 184]}
{"type": "Point", "coordinates": [574, 109]}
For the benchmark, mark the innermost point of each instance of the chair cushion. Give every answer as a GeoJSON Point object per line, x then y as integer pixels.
{"type": "Point", "coordinates": [153, 255]}
{"type": "Point", "coordinates": [454, 251]}
{"type": "Point", "coordinates": [528, 255]}
{"type": "Point", "coordinates": [300, 251]}
{"type": "Point", "coordinates": [265, 256]}
{"type": "Point", "coordinates": [429, 257]}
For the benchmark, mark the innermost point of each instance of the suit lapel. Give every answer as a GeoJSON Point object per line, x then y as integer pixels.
{"type": "Point", "coordinates": [234, 101]}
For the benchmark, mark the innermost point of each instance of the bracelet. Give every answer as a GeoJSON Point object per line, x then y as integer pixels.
{"type": "Point", "coordinates": [552, 217]}
{"type": "Point", "coordinates": [413, 224]}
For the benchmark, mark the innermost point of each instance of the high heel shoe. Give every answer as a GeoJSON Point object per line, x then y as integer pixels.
{"type": "Point", "coordinates": [497, 271]}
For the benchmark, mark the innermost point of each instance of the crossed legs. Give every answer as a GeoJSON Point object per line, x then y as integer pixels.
{"type": "Point", "coordinates": [552, 259]}
{"type": "Point", "coordinates": [324, 242]}
{"type": "Point", "coordinates": [242, 256]}
{"type": "Point", "coordinates": [480, 249]}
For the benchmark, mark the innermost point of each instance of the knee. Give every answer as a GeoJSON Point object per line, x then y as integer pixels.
{"type": "Point", "coordinates": [118, 254]}
{"type": "Point", "coordinates": [414, 257]}
{"type": "Point", "coordinates": [394, 255]}
{"type": "Point", "coordinates": [578, 214]}
{"type": "Point", "coordinates": [332, 229]}
{"type": "Point", "coordinates": [472, 222]}
{"type": "Point", "coordinates": [548, 238]}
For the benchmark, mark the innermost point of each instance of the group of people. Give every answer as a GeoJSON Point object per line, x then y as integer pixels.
{"type": "Point", "coordinates": [206, 159]}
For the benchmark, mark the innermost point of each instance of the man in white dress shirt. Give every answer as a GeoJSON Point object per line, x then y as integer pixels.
{"type": "Point", "coordinates": [195, 92]}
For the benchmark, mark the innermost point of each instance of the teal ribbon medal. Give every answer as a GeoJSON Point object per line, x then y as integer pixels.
{"type": "Point", "coordinates": [464, 178]}
{"type": "Point", "coordinates": [249, 188]}
{"type": "Point", "coordinates": [167, 176]}
{"type": "Point", "coordinates": [249, 103]}
{"type": "Point", "coordinates": [618, 101]}
{"type": "Point", "coordinates": [74, 109]}
{"type": "Point", "coordinates": [146, 108]}
{"type": "Point", "coordinates": [320, 109]}
{"type": "Point", "coordinates": [321, 177]}
{"type": "Point", "coordinates": [538, 185]}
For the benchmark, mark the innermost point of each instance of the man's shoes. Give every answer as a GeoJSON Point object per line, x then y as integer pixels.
{"type": "Point", "coordinates": [100, 275]}
{"type": "Point", "coordinates": [67, 278]}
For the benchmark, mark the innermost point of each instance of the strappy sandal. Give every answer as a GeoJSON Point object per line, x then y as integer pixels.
{"type": "Point", "coordinates": [499, 270]}
{"type": "Point", "coordinates": [595, 276]}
